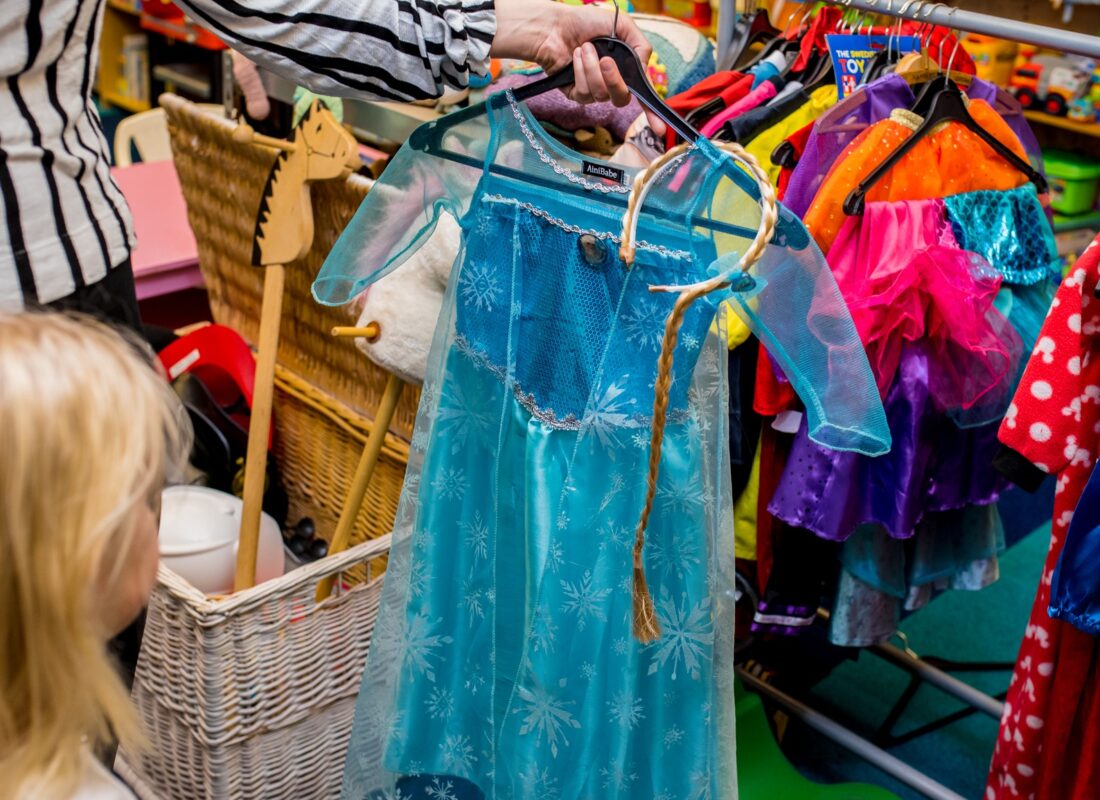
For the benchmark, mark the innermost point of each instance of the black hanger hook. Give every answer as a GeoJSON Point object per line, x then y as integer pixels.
{"type": "Point", "coordinates": [615, 21]}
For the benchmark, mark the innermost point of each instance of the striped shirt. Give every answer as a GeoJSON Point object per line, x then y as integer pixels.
{"type": "Point", "coordinates": [64, 223]}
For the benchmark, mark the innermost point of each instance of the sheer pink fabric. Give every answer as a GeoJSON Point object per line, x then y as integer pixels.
{"type": "Point", "coordinates": [907, 281]}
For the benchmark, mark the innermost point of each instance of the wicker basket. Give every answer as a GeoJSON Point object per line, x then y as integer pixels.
{"type": "Point", "coordinates": [222, 181]}
{"type": "Point", "coordinates": [253, 696]}
{"type": "Point", "coordinates": [318, 442]}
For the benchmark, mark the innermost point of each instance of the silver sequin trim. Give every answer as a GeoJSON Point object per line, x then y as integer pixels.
{"type": "Point", "coordinates": [571, 228]}
{"type": "Point", "coordinates": [549, 160]}
{"type": "Point", "coordinates": [546, 415]}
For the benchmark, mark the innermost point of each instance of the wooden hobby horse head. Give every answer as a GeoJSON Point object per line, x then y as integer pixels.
{"type": "Point", "coordinates": [319, 149]}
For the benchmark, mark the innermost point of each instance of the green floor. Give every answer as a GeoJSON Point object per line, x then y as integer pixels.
{"type": "Point", "coordinates": [981, 626]}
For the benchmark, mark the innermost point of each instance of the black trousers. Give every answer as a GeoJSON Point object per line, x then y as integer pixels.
{"type": "Point", "coordinates": [113, 300]}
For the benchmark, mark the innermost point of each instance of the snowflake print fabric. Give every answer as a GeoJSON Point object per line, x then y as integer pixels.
{"type": "Point", "coordinates": [504, 663]}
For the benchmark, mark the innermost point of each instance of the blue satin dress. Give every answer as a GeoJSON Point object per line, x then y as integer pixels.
{"type": "Point", "coordinates": [1075, 586]}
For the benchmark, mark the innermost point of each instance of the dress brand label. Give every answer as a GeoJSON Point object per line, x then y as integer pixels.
{"type": "Point", "coordinates": [605, 171]}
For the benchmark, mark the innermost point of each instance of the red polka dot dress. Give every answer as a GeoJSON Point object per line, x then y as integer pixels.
{"type": "Point", "coordinates": [1048, 747]}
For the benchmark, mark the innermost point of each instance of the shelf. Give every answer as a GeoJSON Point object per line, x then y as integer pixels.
{"type": "Point", "coordinates": [124, 7]}
{"type": "Point", "coordinates": [131, 104]}
{"type": "Point", "coordinates": [182, 31]}
{"type": "Point", "coordinates": [189, 77]}
{"type": "Point", "coordinates": [1083, 128]}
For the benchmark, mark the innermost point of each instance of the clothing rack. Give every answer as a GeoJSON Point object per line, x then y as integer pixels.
{"type": "Point", "coordinates": [972, 22]}
{"type": "Point", "coordinates": [921, 670]}
{"type": "Point", "coordinates": [850, 741]}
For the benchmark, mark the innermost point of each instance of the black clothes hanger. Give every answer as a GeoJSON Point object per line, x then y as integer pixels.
{"type": "Point", "coordinates": [786, 46]}
{"type": "Point", "coordinates": [928, 93]}
{"type": "Point", "coordinates": [429, 138]}
{"type": "Point", "coordinates": [784, 155]}
{"type": "Point", "coordinates": [820, 73]}
{"type": "Point", "coordinates": [747, 31]}
{"type": "Point", "coordinates": [813, 70]}
{"type": "Point", "coordinates": [877, 65]}
{"type": "Point", "coordinates": [947, 105]}
{"type": "Point", "coordinates": [698, 117]}
{"type": "Point", "coordinates": [630, 67]}
{"type": "Point", "coordinates": [881, 61]}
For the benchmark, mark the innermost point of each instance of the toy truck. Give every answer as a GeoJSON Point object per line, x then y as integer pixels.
{"type": "Point", "coordinates": [1050, 83]}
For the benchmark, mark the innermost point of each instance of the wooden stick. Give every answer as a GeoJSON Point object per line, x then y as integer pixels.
{"type": "Point", "coordinates": [255, 465]}
{"type": "Point", "coordinates": [370, 331]}
{"type": "Point", "coordinates": [367, 462]}
{"type": "Point", "coordinates": [244, 134]}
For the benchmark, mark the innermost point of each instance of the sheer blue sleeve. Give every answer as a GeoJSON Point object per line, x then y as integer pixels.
{"type": "Point", "coordinates": [789, 298]}
{"type": "Point", "coordinates": [403, 206]}
{"type": "Point", "coordinates": [804, 323]}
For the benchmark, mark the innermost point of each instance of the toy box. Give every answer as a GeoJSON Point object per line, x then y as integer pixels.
{"type": "Point", "coordinates": [1073, 181]}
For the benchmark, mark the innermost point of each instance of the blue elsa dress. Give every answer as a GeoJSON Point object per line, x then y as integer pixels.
{"type": "Point", "coordinates": [503, 663]}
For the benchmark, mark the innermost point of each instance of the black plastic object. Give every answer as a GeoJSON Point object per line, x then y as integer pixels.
{"type": "Point", "coordinates": [219, 441]}
{"type": "Point", "coordinates": [193, 392]}
{"type": "Point", "coordinates": [947, 105]}
{"type": "Point", "coordinates": [302, 529]}
{"type": "Point", "coordinates": [820, 73]}
{"type": "Point", "coordinates": [209, 452]}
{"type": "Point", "coordinates": [318, 549]}
{"type": "Point", "coordinates": [784, 155]}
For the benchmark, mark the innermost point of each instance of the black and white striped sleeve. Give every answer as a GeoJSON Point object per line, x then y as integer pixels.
{"type": "Point", "coordinates": [378, 49]}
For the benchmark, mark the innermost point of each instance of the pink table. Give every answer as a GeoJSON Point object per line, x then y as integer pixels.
{"type": "Point", "coordinates": [166, 259]}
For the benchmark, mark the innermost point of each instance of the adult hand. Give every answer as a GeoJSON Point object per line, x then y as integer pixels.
{"type": "Point", "coordinates": [553, 35]}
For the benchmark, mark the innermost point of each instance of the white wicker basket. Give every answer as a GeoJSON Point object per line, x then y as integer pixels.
{"type": "Point", "coordinates": [252, 696]}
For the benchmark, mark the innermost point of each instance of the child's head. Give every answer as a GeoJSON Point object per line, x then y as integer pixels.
{"type": "Point", "coordinates": [88, 430]}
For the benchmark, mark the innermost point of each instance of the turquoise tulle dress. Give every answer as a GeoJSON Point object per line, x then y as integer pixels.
{"type": "Point", "coordinates": [503, 663]}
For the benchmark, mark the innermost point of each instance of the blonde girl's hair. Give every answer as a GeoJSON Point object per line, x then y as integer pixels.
{"type": "Point", "coordinates": [88, 431]}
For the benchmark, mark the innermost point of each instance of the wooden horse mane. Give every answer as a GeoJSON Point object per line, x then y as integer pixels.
{"type": "Point", "coordinates": [264, 212]}
{"type": "Point", "coordinates": [284, 220]}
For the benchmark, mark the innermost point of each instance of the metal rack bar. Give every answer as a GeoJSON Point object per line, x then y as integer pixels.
{"type": "Point", "coordinates": [942, 14]}
{"type": "Point", "coordinates": [891, 765]}
{"type": "Point", "coordinates": [941, 680]}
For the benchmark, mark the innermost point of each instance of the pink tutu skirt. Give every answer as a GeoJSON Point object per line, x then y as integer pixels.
{"type": "Point", "coordinates": [906, 280]}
